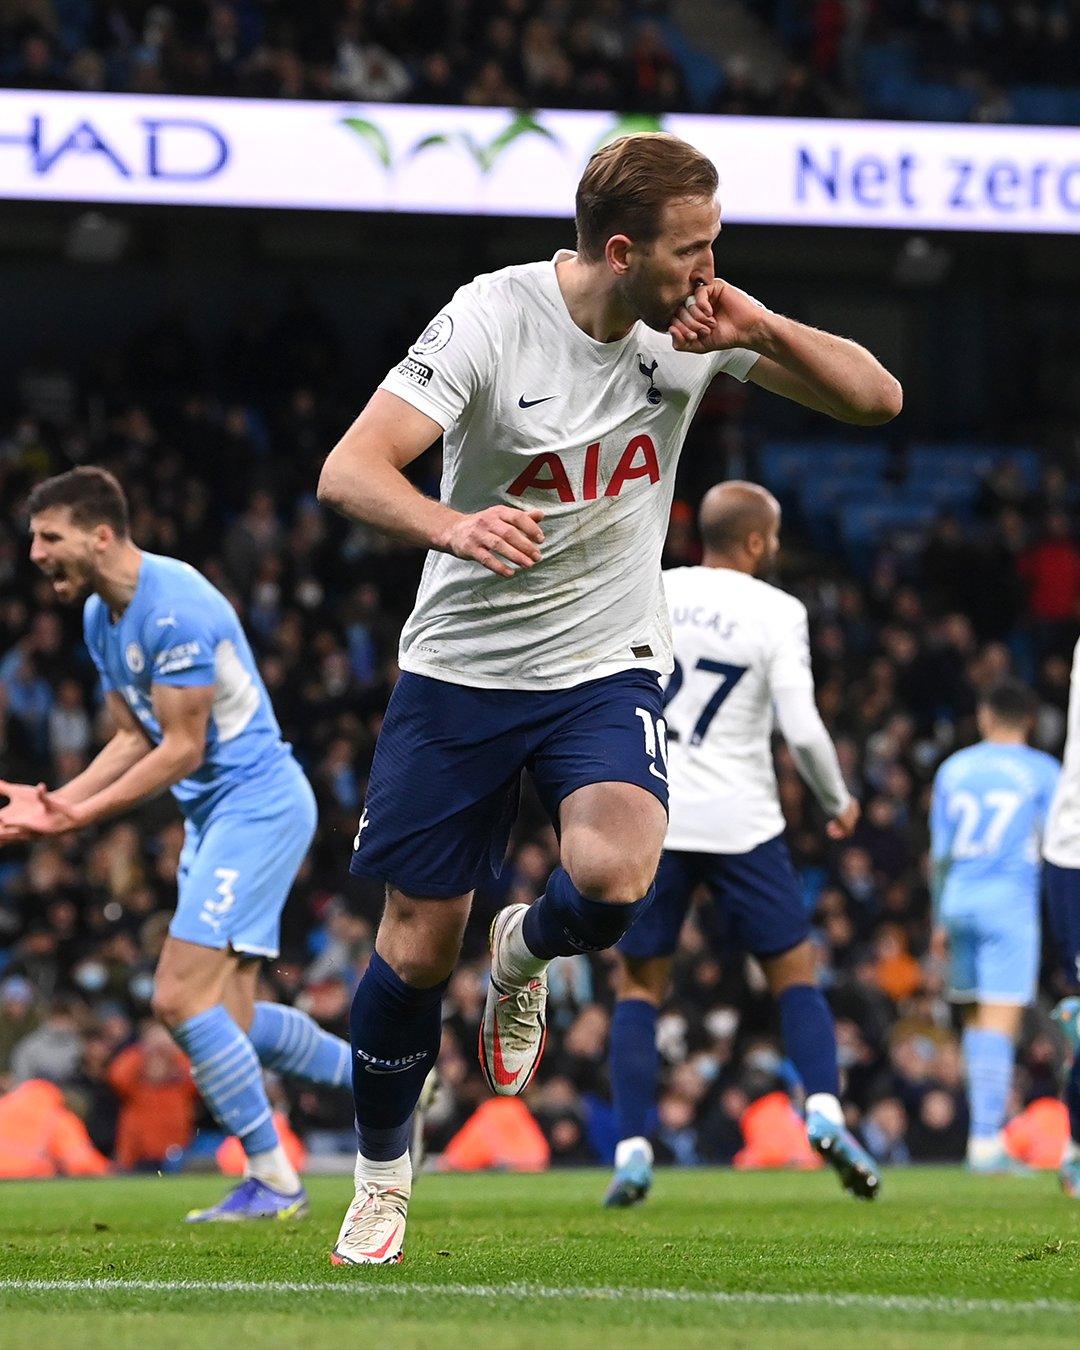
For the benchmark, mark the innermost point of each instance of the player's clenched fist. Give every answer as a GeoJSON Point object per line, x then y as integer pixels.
{"type": "Point", "coordinates": [496, 537]}
{"type": "Point", "coordinates": [716, 317]}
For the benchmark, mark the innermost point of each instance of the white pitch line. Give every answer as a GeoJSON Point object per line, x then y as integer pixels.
{"type": "Point", "coordinates": [901, 1303]}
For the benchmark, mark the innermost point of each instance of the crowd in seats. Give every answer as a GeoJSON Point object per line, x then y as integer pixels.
{"type": "Point", "coordinates": [924, 59]}
{"type": "Point", "coordinates": [947, 60]}
{"type": "Point", "coordinates": [609, 54]}
{"type": "Point", "coordinates": [220, 458]}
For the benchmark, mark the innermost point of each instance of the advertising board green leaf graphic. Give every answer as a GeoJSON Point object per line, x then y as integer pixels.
{"type": "Point", "coordinates": [372, 136]}
{"type": "Point", "coordinates": [628, 124]}
{"type": "Point", "coordinates": [484, 156]}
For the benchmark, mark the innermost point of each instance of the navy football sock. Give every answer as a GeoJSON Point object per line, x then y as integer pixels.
{"type": "Point", "coordinates": [563, 922]}
{"type": "Point", "coordinates": [395, 1032]}
{"type": "Point", "coordinates": [1072, 1099]}
{"type": "Point", "coordinates": [809, 1036]}
{"type": "Point", "coordinates": [635, 1065]}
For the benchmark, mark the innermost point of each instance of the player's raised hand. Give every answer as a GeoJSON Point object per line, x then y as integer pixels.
{"type": "Point", "coordinates": [33, 810]}
{"type": "Point", "coordinates": [716, 317]}
{"type": "Point", "coordinates": [496, 537]}
{"type": "Point", "coordinates": [843, 825]}
{"type": "Point", "coordinates": [63, 815]}
{"type": "Point", "coordinates": [23, 816]}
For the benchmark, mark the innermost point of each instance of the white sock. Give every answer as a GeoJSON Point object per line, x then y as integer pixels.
{"type": "Point", "coordinates": [825, 1104]}
{"type": "Point", "coordinates": [985, 1149]}
{"type": "Point", "coordinates": [625, 1147]}
{"type": "Point", "coordinates": [515, 964]}
{"type": "Point", "coordinates": [275, 1170]}
{"type": "Point", "coordinates": [398, 1171]}
{"type": "Point", "coordinates": [1072, 1152]}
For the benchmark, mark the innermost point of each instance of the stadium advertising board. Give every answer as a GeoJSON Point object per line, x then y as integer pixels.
{"type": "Point", "coordinates": [485, 161]}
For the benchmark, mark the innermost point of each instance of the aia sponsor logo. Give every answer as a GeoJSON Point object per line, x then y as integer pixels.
{"type": "Point", "coordinates": [548, 473]}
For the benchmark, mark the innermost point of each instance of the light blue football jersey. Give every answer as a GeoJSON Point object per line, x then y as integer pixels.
{"type": "Point", "coordinates": [180, 630]}
{"type": "Point", "coordinates": [989, 807]}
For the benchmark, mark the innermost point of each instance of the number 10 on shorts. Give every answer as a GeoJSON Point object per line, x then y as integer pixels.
{"type": "Point", "coordinates": [655, 742]}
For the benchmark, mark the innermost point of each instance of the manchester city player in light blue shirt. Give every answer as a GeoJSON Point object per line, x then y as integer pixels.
{"type": "Point", "coordinates": [192, 715]}
{"type": "Point", "coordinates": [989, 808]}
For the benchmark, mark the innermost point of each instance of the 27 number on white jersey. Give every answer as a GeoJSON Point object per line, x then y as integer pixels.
{"type": "Point", "coordinates": [726, 677]}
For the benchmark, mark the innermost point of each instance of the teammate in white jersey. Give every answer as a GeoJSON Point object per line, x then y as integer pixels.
{"type": "Point", "coordinates": [563, 391]}
{"type": "Point", "coordinates": [741, 651]}
{"type": "Point", "coordinates": [1061, 852]}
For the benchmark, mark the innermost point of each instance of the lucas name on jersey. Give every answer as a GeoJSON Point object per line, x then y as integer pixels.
{"type": "Point", "coordinates": [699, 616]}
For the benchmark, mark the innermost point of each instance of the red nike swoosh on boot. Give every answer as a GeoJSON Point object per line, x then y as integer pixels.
{"type": "Point", "coordinates": [378, 1255]}
{"type": "Point", "coordinates": [502, 1076]}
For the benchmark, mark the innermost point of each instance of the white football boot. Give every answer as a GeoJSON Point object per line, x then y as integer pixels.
{"type": "Point", "coordinates": [514, 1029]}
{"type": "Point", "coordinates": [373, 1230]}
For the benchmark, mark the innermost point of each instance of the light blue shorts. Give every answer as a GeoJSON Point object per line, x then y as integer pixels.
{"type": "Point", "coordinates": [239, 862]}
{"type": "Point", "coordinates": [994, 957]}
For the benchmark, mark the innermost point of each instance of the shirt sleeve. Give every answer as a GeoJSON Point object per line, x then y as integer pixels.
{"type": "Point", "coordinates": [451, 360]}
{"type": "Point", "coordinates": [788, 663]}
{"type": "Point", "coordinates": [791, 684]}
{"type": "Point", "coordinates": [736, 361]}
{"type": "Point", "coordinates": [811, 748]}
{"type": "Point", "coordinates": [93, 644]}
{"type": "Point", "coordinates": [180, 647]}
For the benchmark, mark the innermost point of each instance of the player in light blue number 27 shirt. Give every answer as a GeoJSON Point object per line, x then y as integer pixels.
{"type": "Point", "coordinates": [989, 809]}
{"type": "Point", "coordinates": [191, 714]}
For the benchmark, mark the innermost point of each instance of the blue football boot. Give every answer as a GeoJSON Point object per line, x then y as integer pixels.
{"type": "Point", "coordinates": [856, 1169]}
{"type": "Point", "coordinates": [633, 1174]}
{"type": "Point", "coordinates": [252, 1199]}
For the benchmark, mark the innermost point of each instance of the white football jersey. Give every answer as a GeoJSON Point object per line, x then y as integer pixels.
{"type": "Point", "coordinates": [737, 641]}
{"type": "Point", "coordinates": [538, 414]}
{"type": "Point", "coordinates": [1061, 842]}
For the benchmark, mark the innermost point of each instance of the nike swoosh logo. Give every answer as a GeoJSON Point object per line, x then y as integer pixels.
{"type": "Point", "coordinates": [380, 1252]}
{"type": "Point", "coordinates": [502, 1075]}
{"type": "Point", "coordinates": [524, 402]}
{"type": "Point", "coordinates": [372, 1069]}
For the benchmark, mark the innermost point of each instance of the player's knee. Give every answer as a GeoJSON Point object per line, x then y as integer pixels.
{"type": "Point", "coordinates": [616, 879]}
{"type": "Point", "coordinates": [643, 979]}
{"type": "Point", "coordinates": [420, 939]}
{"type": "Point", "coordinates": [798, 966]}
{"type": "Point", "coordinates": [171, 1004]}
{"type": "Point", "coordinates": [422, 970]}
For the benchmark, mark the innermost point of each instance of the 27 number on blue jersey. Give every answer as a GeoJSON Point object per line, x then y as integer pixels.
{"type": "Point", "coordinates": [982, 821]}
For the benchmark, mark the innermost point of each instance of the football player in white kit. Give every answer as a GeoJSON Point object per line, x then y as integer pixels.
{"type": "Point", "coordinates": [1061, 853]}
{"type": "Point", "coordinates": [742, 650]}
{"type": "Point", "coordinates": [563, 391]}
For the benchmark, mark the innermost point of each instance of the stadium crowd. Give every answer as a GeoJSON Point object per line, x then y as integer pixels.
{"type": "Point", "coordinates": [220, 458]}
{"type": "Point", "coordinates": [922, 58]}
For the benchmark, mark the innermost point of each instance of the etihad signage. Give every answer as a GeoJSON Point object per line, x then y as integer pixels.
{"type": "Point", "coordinates": [490, 161]}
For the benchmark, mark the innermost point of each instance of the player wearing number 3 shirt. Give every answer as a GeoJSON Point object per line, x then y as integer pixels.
{"type": "Point", "coordinates": [741, 653]}
{"type": "Point", "coordinates": [563, 391]}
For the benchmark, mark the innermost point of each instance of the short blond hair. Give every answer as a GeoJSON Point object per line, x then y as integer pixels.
{"type": "Point", "coordinates": [627, 183]}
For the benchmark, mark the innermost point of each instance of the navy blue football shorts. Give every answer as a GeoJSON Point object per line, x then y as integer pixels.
{"type": "Point", "coordinates": [757, 899]}
{"type": "Point", "coordinates": [445, 781]}
{"type": "Point", "coordinates": [1063, 917]}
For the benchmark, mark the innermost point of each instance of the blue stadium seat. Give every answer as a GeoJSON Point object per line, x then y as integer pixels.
{"type": "Point", "coordinates": [1038, 105]}
{"type": "Point", "coordinates": [938, 103]}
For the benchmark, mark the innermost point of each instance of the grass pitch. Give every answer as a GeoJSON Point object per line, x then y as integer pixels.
{"type": "Point", "coordinates": [492, 1262]}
